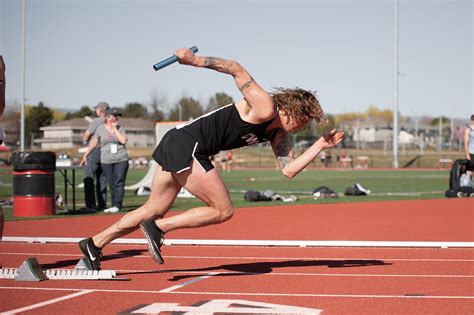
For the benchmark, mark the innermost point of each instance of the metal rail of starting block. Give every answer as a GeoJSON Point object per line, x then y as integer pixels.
{"type": "Point", "coordinates": [30, 270]}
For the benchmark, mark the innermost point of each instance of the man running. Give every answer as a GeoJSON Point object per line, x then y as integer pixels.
{"type": "Point", "coordinates": [183, 155]}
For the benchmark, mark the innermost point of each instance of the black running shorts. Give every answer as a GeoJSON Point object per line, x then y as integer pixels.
{"type": "Point", "coordinates": [177, 150]}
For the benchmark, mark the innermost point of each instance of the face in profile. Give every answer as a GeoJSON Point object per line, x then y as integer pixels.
{"type": "Point", "coordinates": [291, 125]}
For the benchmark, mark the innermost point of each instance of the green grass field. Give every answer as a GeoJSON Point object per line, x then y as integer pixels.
{"type": "Point", "coordinates": [384, 185]}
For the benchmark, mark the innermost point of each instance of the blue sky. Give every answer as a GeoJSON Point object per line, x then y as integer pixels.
{"type": "Point", "coordinates": [83, 52]}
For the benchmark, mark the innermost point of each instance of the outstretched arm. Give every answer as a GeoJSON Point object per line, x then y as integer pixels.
{"type": "Point", "coordinates": [257, 98]}
{"type": "Point", "coordinates": [291, 166]}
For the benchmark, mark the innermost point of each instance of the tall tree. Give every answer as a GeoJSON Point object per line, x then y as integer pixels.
{"type": "Point", "coordinates": [218, 100]}
{"type": "Point", "coordinates": [134, 110]}
{"type": "Point", "coordinates": [37, 117]}
{"type": "Point", "coordinates": [186, 109]}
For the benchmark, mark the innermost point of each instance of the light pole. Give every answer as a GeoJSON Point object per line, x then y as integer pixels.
{"type": "Point", "coordinates": [22, 115]}
{"type": "Point", "coordinates": [395, 87]}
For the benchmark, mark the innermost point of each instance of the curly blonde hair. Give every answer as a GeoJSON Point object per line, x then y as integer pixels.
{"type": "Point", "coordinates": [299, 104]}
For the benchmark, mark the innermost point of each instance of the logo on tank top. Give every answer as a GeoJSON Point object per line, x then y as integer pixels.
{"type": "Point", "coordinates": [250, 138]}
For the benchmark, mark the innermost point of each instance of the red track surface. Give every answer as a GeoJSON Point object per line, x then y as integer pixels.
{"type": "Point", "coordinates": [334, 280]}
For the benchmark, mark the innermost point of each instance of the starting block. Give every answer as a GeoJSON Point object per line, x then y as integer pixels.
{"type": "Point", "coordinates": [30, 270]}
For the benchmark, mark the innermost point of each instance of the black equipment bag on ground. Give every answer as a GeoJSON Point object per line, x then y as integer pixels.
{"type": "Point", "coordinates": [353, 191]}
{"type": "Point", "coordinates": [253, 195]}
{"type": "Point", "coordinates": [356, 190]}
{"type": "Point", "coordinates": [324, 192]}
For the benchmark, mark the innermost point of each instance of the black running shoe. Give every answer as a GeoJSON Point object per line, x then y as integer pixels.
{"type": "Point", "coordinates": [155, 239]}
{"type": "Point", "coordinates": [91, 252]}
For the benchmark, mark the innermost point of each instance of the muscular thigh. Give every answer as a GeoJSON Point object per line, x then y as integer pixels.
{"type": "Point", "coordinates": [164, 187]}
{"type": "Point", "coordinates": [207, 186]}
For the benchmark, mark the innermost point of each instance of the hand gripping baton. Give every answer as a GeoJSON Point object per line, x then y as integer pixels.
{"type": "Point", "coordinates": [168, 61]}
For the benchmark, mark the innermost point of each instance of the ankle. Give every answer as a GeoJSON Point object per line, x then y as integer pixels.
{"type": "Point", "coordinates": [93, 245]}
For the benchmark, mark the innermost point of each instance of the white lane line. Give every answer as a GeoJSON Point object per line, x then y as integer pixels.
{"type": "Point", "coordinates": [265, 243]}
{"type": "Point", "coordinates": [312, 295]}
{"type": "Point", "coordinates": [321, 258]}
{"type": "Point", "coordinates": [261, 258]}
{"type": "Point", "coordinates": [134, 244]}
{"type": "Point", "coordinates": [49, 302]}
{"type": "Point", "coordinates": [182, 285]}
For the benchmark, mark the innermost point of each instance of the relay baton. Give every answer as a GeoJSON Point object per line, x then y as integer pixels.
{"type": "Point", "coordinates": [170, 60]}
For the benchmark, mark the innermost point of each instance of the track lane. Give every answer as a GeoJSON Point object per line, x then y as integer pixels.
{"type": "Point", "coordinates": [337, 280]}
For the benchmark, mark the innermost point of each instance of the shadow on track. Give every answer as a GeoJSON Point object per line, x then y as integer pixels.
{"type": "Point", "coordinates": [266, 267]}
{"type": "Point", "coordinates": [73, 262]}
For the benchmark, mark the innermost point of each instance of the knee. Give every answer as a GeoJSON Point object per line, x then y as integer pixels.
{"type": "Point", "coordinates": [225, 213]}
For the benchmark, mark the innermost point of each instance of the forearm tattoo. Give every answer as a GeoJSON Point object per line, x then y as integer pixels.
{"type": "Point", "coordinates": [219, 64]}
{"type": "Point", "coordinates": [284, 153]}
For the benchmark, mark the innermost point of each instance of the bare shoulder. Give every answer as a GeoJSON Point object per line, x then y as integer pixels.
{"type": "Point", "coordinates": [255, 113]}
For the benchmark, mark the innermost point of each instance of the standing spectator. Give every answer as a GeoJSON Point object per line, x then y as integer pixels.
{"type": "Point", "coordinates": [93, 170]}
{"type": "Point", "coordinates": [469, 143]}
{"type": "Point", "coordinates": [113, 156]}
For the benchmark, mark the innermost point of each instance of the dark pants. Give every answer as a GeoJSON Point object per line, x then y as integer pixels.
{"type": "Point", "coordinates": [93, 173]}
{"type": "Point", "coordinates": [470, 164]}
{"type": "Point", "coordinates": [116, 173]}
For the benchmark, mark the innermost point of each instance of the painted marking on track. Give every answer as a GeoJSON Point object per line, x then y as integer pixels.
{"type": "Point", "coordinates": [312, 295]}
{"type": "Point", "coordinates": [182, 285]}
{"type": "Point", "coordinates": [261, 257]}
{"type": "Point", "coordinates": [226, 307]}
{"type": "Point", "coordinates": [49, 302]}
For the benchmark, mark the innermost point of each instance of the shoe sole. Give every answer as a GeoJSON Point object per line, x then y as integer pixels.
{"type": "Point", "coordinates": [154, 255]}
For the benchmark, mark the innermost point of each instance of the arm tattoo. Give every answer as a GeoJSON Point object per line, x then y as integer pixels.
{"type": "Point", "coordinates": [284, 153]}
{"type": "Point", "coordinates": [246, 84]}
{"type": "Point", "coordinates": [219, 64]}
{"type": "Point", "coordinates": [284, 161]}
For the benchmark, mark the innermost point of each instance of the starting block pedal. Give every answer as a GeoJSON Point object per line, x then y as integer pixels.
{"type": "Point", "coordinates": [83, 264]}
{"type": "Point", "coordinates": [30, 270]}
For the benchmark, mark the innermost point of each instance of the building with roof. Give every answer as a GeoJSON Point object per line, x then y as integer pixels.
{"type": "Point", "coordinates": [375, 132]}
{"type": "Point", "coordinates": [67, 134]}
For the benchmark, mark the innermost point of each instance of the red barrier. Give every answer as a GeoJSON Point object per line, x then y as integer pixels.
{"type": "Point", "coordinates": [33, 193]}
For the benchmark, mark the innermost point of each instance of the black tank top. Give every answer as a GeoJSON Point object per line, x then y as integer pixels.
{"type": "Point", "coordinates": [224, 129]}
